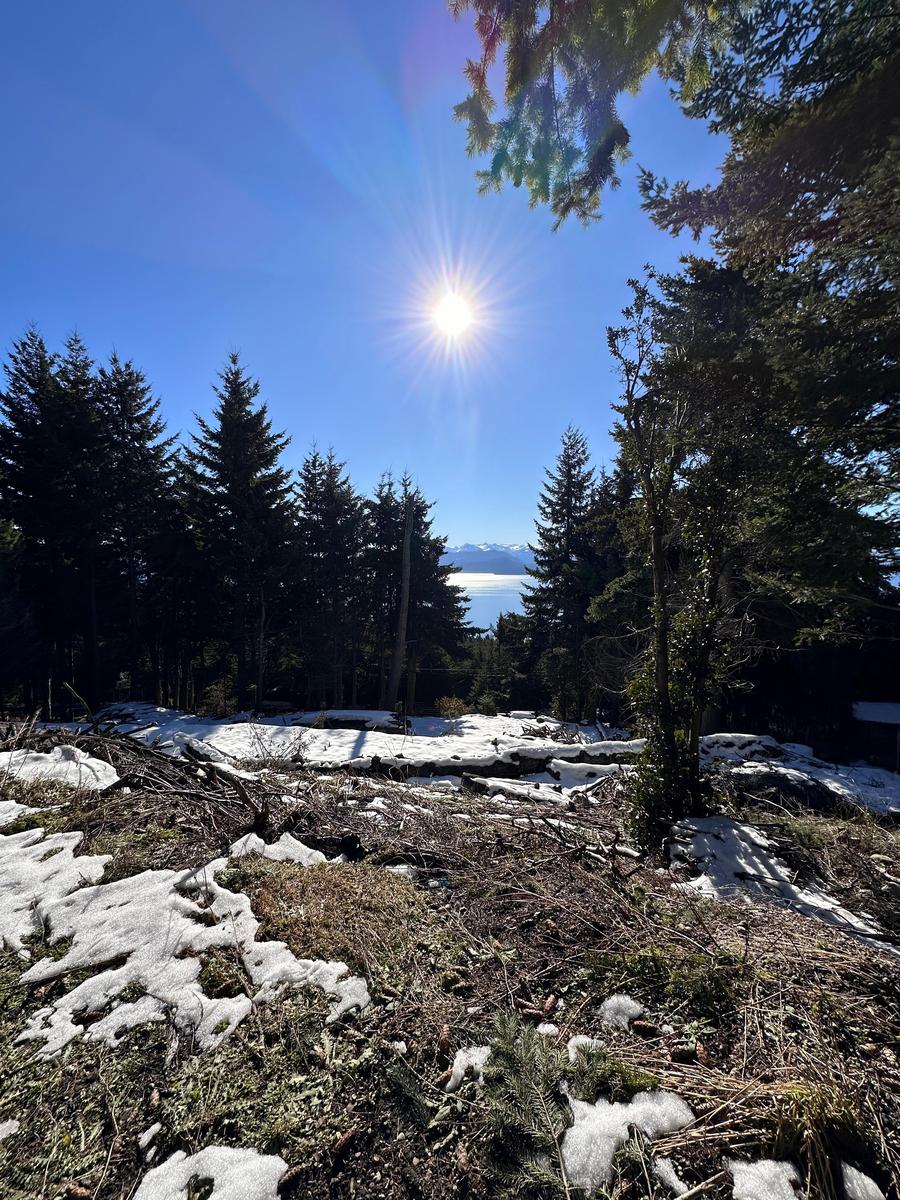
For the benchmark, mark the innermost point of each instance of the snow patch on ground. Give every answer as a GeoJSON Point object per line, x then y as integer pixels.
{"type": "Point", "coordinates": [235, 1175]}
{"type": "Point", "coordinates": [435, 744]}
{"type": "Point", "coordinates": [619, 1010]}
{"type": "Point", "coordinates": [286, 849]}
{"type": "Point", "coordinates": [565, 758]}
{"type": "Point", "coordinates": [600, 1129]}
{"type": "Point", "coordinates": [149, 931]}
{"type": "Point", "coordinates": [664, 1170]}
{"type": "Point", "coordinates": [581, 1043]}
{"type": "Point", "coordinates": [8, 1128]}
{"type": "Point", "coordinates": [764, 1179]}
{"type": "Point", "coordinates": [62, 764]}
{"type": "Point", "coordinates": [737, 863]}
{"type": "Point", "coordinates": [859, 785]}
{"type": "Point", "coordinates": [469, 1058]}
{"type": "Point", "coordinates": [859, 1186]}
{"type": "Point", "coordinates": [36, 872]}
{"type": "Point", "coordinates": [11, 810]}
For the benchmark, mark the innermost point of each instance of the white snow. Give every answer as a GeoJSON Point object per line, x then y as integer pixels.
{"type": "Point", "coordinates": [437, 749]}
{"type": "Point", "coordinates": [664, 1170]}
{"type": "Point", "coordinates": [548, 1029]}
{"type": "Point", "coordinates": [62, 764]}
{"type": "Point", "coordinates": [36, 871]}
{"type": "Point", "coordinates": [148, 1135]}
{"type": "Point", "coordinates": [11, 810]}
{"type": "Point", "coordinates": [737, 863]}
{"type": "Point", "coordinates": [8, 1128]}
{"type": "Point", "coordinates": [581, 1042]}
{"type": "Point", "coordinates": [764, 1179]}
{"type": "Point", "coordinates": [236, 1175]}
{"type": "Point", "coordinates": [286, 849]}
{"type": "Point", "coordinates": [619, 1010]}
{"type": "Point", "coordinates": [859, 785]}
{"type": "Point", "coordinates": [469, 1058]}
{"type": "Point", "coordinates": [859, 1186]}
{"type": "Point", "coordinates": [600, 1129]}
{"type": "Point", "coordinates": [148, 931]}
{"type": "Point", "coordinates": [438, 744]}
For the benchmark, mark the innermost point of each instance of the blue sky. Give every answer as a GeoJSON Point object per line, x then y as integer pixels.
{"type": "Point", "coordinates": [186, 178]}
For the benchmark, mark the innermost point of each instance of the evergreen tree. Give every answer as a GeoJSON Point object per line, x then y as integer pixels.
{"type": "Point", "coordinates": [557, 601]}
{"type": "Point", "coordinates": [383, 566]}
{"type": "Point", "coordinates": [141, 460]}
{"type": "Point", "coordinates": [564, 69]}
{"type": "Point", "coordinates": [240, 507]}
{"type": "Point", "coordinates": [330, 533]}
{"type": "Point", "coordinates": [83, 471]}
{"type": "Point", "coordinates": [433, 629]}
{"type": "Point", "coordinates": [739, 510]}
{"type": "Point", "coordinates": [54, 465]}
{"type": "Point", "coordinates": [20, 646]}
{"type": "Point", "coordinates": [437, 609]}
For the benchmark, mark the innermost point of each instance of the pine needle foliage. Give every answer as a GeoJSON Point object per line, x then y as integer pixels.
{"type": "Point", "coordinates": [528, 1110]}
{"type": "Point", "coordinates": [565, 67]}
{"type": "Point", "coordinates": [527, 1083]}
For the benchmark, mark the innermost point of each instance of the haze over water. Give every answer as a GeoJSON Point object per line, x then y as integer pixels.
{"type": "Point", "coordinates": [490, 595]}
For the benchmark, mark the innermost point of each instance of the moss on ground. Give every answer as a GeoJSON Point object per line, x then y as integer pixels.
{"type": "Point", "coordinates": [698, 986]}
{"type": "Point", "coordinates": [372, 919]}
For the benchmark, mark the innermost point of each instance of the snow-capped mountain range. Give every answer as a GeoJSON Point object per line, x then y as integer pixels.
{"type": "Point", "coordinates": [490, 558]}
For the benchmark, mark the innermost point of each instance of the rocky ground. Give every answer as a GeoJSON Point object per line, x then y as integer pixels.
{"type": "Point", "coordinates": [277, 973]}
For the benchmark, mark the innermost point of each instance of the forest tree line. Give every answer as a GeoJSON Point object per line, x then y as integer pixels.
{"type": "Point", "coordinates": [203, 575]}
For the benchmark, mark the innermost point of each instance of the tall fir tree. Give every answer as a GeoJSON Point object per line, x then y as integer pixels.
{"type": "Point", "coordinates": [54, 467]}
{"type": "Point", "coordinates": [558, 600]}
{"type": "Point", "coordinates": [141, 461]}
{"type": "Point", "coordinates": [330, 537]}
{"type": "Point", "coordinates": [240, 502]}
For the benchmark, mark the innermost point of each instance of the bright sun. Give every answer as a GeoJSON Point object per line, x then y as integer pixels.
{"type": "Point", "coordinates": [453, 316]}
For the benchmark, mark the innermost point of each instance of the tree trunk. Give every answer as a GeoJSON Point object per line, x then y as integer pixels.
{"type": "Point", "coordinates": [393, 684]}
{"type": "Point", "coordinates": [665, 719]}
{"type": "Point", "coordinates": [132, 621]}
{"type": "Point", "coordinates": [92, 647]}
{"type": "Point", "coordinates": [411, 671]}
{"type": "Point", "coordinates": [261, 652]}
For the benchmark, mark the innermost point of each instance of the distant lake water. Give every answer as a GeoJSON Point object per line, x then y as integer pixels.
{"type": "Point", "coordinates": [490, 595]}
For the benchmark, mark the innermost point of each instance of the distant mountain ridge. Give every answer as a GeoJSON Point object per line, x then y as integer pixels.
{"type": "Point", "coordinates": [490, 558]}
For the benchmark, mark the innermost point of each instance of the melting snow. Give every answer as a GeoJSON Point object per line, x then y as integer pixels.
{"type": "Point", "coordinates": [581, 1042]}
{"type": "Point", "coordinates": [664, 1170]}
{"type": "Point", "coordinates": [11, 810]}
{"type": "Point", "coordinates": [286, 849]}
{"type": "Point", "coordinates": [62, 764]}
{"type": "Point", "coordinates": [470, 1058]}
{"type": "Point", "coordinates": [619, 1010]}
{"type": "Point", "coordinates": [235, 1175]}
{"type": "Point", "coordinates": [36, 871]}
{"type": "Point", "coordinates": [871, 787]}
{"type": "Point", "coordinates": [8, 1128]}
{"type": "Point", "coordinates": [764, 1179]}
{"type": "Point", "coordinates": [600, 1129]}
{"type": "Point", "coordinates": [148, 930]}
{"type": "Point", "coordinates": [737, 863]}
{"type": "Point", "coordinates": [148, 1135]}
{"type": "Point", "coordinates": [859, 1186]}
